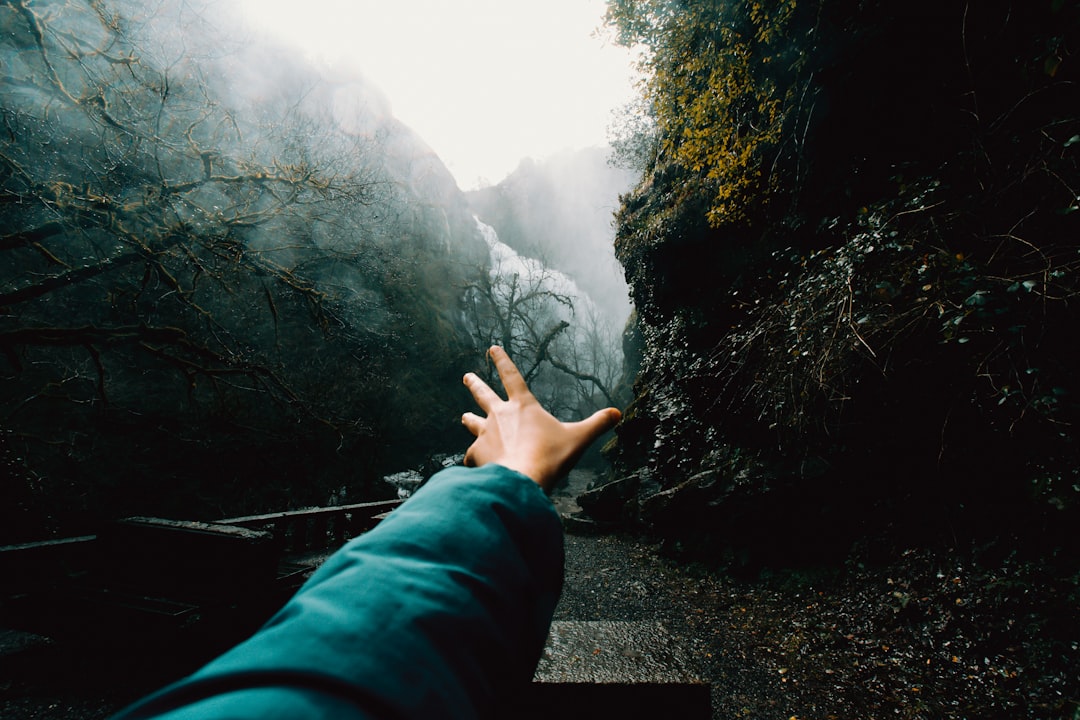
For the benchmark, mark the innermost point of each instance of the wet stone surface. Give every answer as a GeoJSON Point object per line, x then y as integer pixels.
{"type": "Point", "coordinates": [609, 651]}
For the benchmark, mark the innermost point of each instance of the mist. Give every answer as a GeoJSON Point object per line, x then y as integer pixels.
{"type": "Point", "coordinates": [222, 263]}
{"type": "Point", "coordinates": [245, 285]}
{"type": "Point", "coordinates": [560, 210]}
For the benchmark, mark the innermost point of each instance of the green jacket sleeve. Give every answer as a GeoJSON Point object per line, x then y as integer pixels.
{"type": "Point", "coordinates": [438, 612]}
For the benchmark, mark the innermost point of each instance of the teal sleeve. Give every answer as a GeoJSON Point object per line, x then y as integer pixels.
{"type": "Point", "coordinates": [438, 612]}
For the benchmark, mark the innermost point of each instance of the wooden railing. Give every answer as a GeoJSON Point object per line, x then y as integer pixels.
{"type": "Point", "coordinates": [323, 528]}
{"type": "Point", "coordinates": [30, 566]}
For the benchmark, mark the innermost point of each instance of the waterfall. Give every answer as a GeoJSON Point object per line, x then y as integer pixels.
{"type": "Point", "coordinates": [507, 263]}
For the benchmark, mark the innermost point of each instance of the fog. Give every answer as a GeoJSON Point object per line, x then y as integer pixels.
{"type": "Point", "coordinates": [560, 210]}
{"type": "Point", "coordinates": [485, 83]}
{"type": "Point", "coordinates": [243, 283]}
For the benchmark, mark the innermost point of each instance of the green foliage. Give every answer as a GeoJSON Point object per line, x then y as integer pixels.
{"type": "Point", "coordinates": [726, 90]}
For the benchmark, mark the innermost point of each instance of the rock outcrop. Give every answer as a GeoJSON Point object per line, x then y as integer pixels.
{"type": "Point", "coordinates": [878, 344]}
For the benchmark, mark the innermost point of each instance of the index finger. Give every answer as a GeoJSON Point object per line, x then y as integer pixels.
{"type": "Point", "coordinates": [508, 373]}
{"type": "Point", "coordinates": [484, 396]}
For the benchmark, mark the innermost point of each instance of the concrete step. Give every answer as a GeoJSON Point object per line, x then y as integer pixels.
{"type": "Point", "coordinates": [618, 669]}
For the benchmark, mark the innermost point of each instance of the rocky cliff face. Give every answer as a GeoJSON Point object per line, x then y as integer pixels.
{"type": "Point", "coordinates": [224, 263]}
{"type": "Point", "coordinates": [855, 355]}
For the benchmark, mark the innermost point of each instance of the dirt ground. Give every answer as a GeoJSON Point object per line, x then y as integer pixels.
{"type": "Point", "coordinates": [927, 634]}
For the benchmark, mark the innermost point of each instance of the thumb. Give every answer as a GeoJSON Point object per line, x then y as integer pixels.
{"type": "Point", "coordinates": [599, 423]}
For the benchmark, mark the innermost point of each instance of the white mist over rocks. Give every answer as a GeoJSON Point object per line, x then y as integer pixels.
{"type": "Point", "coordinates": [561, 211]}
{"type": "Point", "coordinates": [509, 270]}
{"type": "Point", "coordinates": [282, 90]}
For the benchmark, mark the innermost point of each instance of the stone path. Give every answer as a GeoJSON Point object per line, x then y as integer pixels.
{"type": "Point", "coordinates": [606, 647]}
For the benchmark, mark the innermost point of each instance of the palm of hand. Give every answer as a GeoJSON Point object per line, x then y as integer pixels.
{"type": "Point", "coordinates": [518, 433]}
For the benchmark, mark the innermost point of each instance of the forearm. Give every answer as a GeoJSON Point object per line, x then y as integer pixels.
{"type": "Point", "coordinates": [432, 614]}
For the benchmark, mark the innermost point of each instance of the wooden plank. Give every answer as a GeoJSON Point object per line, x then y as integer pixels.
{"type": "Point", "coordinates": [367, 509]}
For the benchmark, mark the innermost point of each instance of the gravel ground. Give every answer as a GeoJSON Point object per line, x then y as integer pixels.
{"type": "Point", "coordinates": [43, 680]}
{"type": "Point", "coordinates": [930, 634]}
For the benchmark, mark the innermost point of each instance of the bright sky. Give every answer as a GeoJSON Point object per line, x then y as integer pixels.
{"type": "Point", "coordinates": [484, 82]}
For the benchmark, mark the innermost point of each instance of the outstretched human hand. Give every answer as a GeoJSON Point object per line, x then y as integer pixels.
{"type": "Point", "coordinates": [520, 434]}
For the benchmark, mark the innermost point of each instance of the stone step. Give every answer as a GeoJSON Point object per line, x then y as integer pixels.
{"type": "Point", "coordinates": [620, 669]}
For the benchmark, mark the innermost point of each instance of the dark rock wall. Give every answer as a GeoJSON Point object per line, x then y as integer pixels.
{"type": "Point", "coordinates": [855, 357]}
